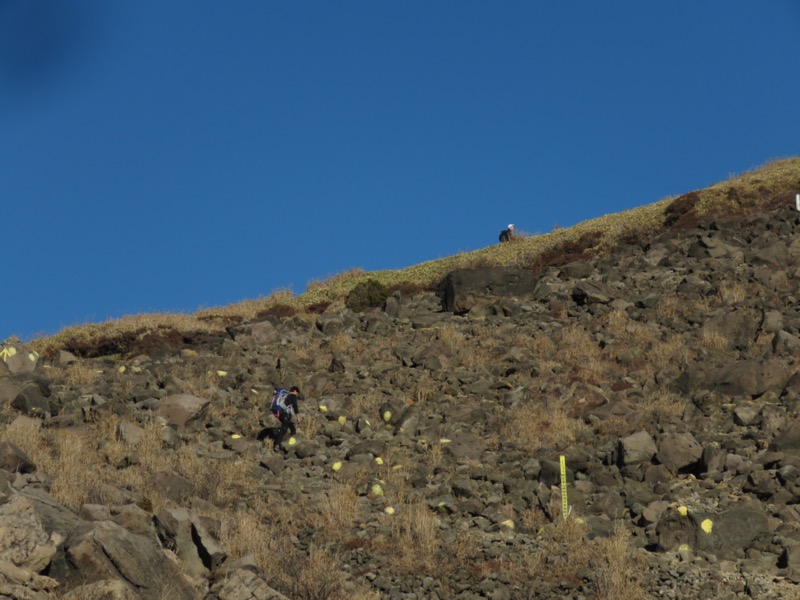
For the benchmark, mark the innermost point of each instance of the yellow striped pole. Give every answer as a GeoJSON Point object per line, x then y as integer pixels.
{"type": "Point", "coordinates": [564, 503]}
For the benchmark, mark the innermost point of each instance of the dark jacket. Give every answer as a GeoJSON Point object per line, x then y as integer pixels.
{"type": "Point", "coordinates": [505, 235]}
{"type": "Point", "coordinates": [291, 403]}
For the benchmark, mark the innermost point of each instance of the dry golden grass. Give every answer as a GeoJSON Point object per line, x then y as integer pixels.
{"type": "Point", "coordinates": [616, 574]}
{"type": "Point", "coordinates": [308, 426]}
{"type": "Point", "coordinates": [352, 276]}
{"type": "Point", "coordinates": [414, 538]}
{"type": "Point", "coordinates": [319, 576]}
{"type": "Point", "coordinates": [424, 390]}
{"type": "Point", "coordinates": [745, 191]}
{"type": "Point", "coordinates": [578, 350]}
{"type": "Point", "coordinates": [669, 351]}
{"type": "Point", "coordinates": [367, 403]}
{"type": "Point", "coordinates": [76, 374]}
{"type": "Point", "coordinates": [664, 403]}
{"type": "Point", "coordinates": [714, 340]}
{"type": "Point", "coordinates": [339, 509]}
{"type": "Point", "coordinates": [748, 189]}
{"type": "Point", "coordinates": [451, 339]}
{"type": "Point", "coordinates": [624, 329]}
{"type": "Point", "coordinates": [534, 425]}
{"type": "Point", "coordinates": [732, 293]}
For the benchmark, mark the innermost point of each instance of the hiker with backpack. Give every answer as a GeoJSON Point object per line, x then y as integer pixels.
{"type": "Point", "coordinates": [284, 408]}
{"type": "Point", "coordinates": [507, 234]}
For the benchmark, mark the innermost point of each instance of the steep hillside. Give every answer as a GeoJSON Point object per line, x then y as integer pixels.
{"type": "Point", "coordinates": [606, 411]}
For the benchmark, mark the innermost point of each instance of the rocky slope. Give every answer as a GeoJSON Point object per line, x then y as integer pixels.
{"type": "Point", "coordinates": [428, 459]}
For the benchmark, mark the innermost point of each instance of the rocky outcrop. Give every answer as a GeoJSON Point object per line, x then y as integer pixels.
{"type": "Point", "coordinates": [665, 375]}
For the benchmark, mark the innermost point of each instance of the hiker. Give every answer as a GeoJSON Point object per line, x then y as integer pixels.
{"type": "Point", "coordinates": [284, 407]}
{"type": "Point", "coordinates": [507, 234]}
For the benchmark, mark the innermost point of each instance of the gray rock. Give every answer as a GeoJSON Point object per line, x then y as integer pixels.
{"type": "Point", "coordinates": [637, 448]}
{"type": "Point", "coordinates": [463, 288]}
{"type": "Point", "coordinates": [184, 412]}
{"type": "Point", "coordinates": [678, 451]}
{"type": "Point", "coordinates": [14, 460]}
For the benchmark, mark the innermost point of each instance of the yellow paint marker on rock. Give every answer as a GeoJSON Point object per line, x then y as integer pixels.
{"type": "Point", "coordinates": [323, 408]}
{"type": "Point", "coordinates": [389, 510]}
{"type": "Point", "coordinates": [683, 511]}
{"type": "Point", "coordinates": [707, 525]}
{"type": "Point", "coordinates": [337, 465]}
{"type": "Point", "coordinates": [342, 420]}
{"type": "Point", "coordinates": [292, 441]}
{"type": "Point", "coordinates": [378, 460]}
{"type": "Point", "coordinates": [387, 416]}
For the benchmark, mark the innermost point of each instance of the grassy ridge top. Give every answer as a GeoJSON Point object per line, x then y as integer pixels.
{"type": "Point", "coordinates": [764, 188]}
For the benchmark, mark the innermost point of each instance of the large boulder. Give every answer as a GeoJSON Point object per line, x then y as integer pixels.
{"type": "Point", "coordinates": [108, 551]}
{"type": "Point", "coordinates": [17, 357]}
{"type": "Point", "coordinates": [23, 538]}
{"type": "Point", "coordinates": [14, 460]}
{"type": "Point", "coordinates": [749, 378]}
{"type": "Point", "coordinates": [462, 289]}
{"type": "Point", "coordinates": [637, 448]}
{"type": "Point", "coordinates": [184, 412]}
{"type": "Point", "coordinates": [678, 451]}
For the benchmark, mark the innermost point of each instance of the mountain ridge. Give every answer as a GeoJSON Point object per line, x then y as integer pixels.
{"type": "Point", "coordinates": [591, 419]}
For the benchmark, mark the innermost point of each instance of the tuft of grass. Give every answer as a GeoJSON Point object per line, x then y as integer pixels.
{"type": "Point", "coordinates": [616, 575]}
{"type": "Point", "coordinates": [534, 425]}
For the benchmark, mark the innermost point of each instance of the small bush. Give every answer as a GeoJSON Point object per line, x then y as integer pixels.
{"type": "Point", "coordinates": [367, 294]}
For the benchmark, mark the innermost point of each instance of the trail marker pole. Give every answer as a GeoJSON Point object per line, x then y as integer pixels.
{"type": "Point", "coordinates": [797, 202]}
{"type": "Point", "coordinates": [564, 503]}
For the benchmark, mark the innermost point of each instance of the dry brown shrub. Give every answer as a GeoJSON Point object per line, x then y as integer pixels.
{"type": "Point", "coordinates": [533, 425]}
{"type": "Point", "coordinates": [319, 576]}
{"type": "Point", "coordinates": [542, 347]}
{"type": "Point", "coordinates": [624, 329]}
{"type": "Point", "coordinates": [714, 340]}
{"type": "Point", "coordinates": [199, 383]}
{"type": "Point", "coordinates": [664, 403]}
{"type": "Point", "coordinates": [367, 403]}
{"type": "Point", "coordinates": [424, 389]}
{"type": "Point", "coordinates": [467, 546]}
{"type": "Point", "coordinates": [618, 426]}
{"type": "Point", "coordinates": [414, 538]}
{"type": "Point", "coordinates": [70, 457]}
{"type": "Point", "coordinates": [567, 550]}
{"type": "Point", "coordinates": [450, 337]}
{"type": "Point", "coordinates": [732, 293]}
{"type": "Point", "coordinates": [578, 349]}
{"type": "Point", "coordinates": [670, 351]}
{"type": "Point", "coordinates": [81, 373]}
{"type": "Point", "coordinates": [336, 512]}
{"type": "Point", "coordinates": [342, 343]}
{"type": "Point", "coordinates": [221, 482]}
{"type": "Point", "coordinates": [616, 575]}
{"type": "Point", "coordinates": [308, 426]}
{"type": "Point", "coordinates": [674, 305]}
{"type": "Point", "coordinates": [247, 531]}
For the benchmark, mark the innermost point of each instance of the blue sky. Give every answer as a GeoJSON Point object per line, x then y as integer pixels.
{"type": "Point", "coordinates": [167, 156]}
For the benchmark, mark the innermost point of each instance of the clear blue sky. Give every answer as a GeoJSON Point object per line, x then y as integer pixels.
{"type": "Point", "coordinates": [171, 155]}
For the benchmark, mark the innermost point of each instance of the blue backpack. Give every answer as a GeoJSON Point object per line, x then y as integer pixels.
{"type": "Point", "coordinates": [279, 401]}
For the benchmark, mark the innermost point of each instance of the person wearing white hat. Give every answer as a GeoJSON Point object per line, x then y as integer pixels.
{"type": "Point", "coordinates": [507, 234]}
